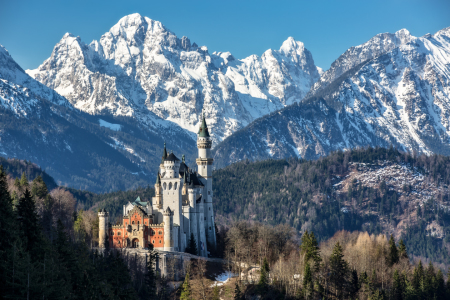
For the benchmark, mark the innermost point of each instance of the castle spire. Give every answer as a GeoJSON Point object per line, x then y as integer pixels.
{"type": "Point", "coordinates": [203, 131]}
{"type": "Point", "coordinates": [164, 153]}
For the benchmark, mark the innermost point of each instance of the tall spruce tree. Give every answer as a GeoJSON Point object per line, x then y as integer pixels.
{"type": "Point", "coordinates": [392, 255]}
{"type": "Point", "coordinates": [28, 221]}
{"type": "Point", "coordinates": [192, 245]}
{"type": "Point", "coordinates": [398, 287]}
{"type": "Point", "coordinates": [310, 249]}
{"type": "Point", "coordinates": [402, 250]}
{"type": "Point", "coordinates": [150, 277]}
{"type": "Point", "coordinates": [264, 277]}
{"type": "Point", "coordinates": [338, 270]}
{"type": "Point", "coordinates": [186, 291]}
{"type": "Point", "coordinates": [7, 230]}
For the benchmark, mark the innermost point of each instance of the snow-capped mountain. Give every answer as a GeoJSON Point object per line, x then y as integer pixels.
{"type": "Point", "coordinates": [18, 91]}
{"type": "Point", "coordinates": [139, 68]}
{"type": "Point", "coordinates": [353, 57]}
{"type": "Point", "coordinates": [401, 98]}
{"type": "Point", "coordinates": [77, 149]}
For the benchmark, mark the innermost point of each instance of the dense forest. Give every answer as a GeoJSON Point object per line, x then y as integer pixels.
{"type": "Point", "coordinates": [302, 194]}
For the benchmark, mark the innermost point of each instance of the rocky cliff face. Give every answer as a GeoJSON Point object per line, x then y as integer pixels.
{"type": "Point", "coordinates": [141, 69]}
{"type": "Point", "coordinates": [401, 98]}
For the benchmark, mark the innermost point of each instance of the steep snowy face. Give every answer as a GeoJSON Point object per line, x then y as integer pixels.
{"type": "Point", "coordinates": [376, 46]}
{"type": "Point", "coordinates": [400, 98]}
{"type": "Point", "coordinates": [18, 91]}
{"type": "Point", "coordinates": [139, 68]}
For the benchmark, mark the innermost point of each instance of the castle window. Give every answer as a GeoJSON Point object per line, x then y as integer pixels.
{"type": "Point", "coordinates": [160, 232]}
{"type": "Point", "coordinates": [153, 241]}
{"type": "Point", "coordinates": [164, 185]}
{"type": "Point", "coordinates": [170, 185]}
{"type": "Point", "coordinates": [138, 222]}
{"type": "Point", "coordinates": [209, 227]}
{"type": "Point", "coordinates": [175, 186]}
{"type": "Point", "coordinates": [118, 233]}
{"type": "Point", "coordinates": [132, 222]}
{"type": "Point", "coordinates": [210, 208]}
{"type": "Point", "coordinates": [160, 241]}
{"type": "Point", "coordinates": [209, 192]}
{"type": "Point", "coordinates": [205, 218]}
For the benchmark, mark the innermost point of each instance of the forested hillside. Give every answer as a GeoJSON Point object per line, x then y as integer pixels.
{"type": "Point", "coordinates": [329, 194]}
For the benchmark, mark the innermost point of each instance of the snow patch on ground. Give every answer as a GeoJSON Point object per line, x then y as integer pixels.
{"type": "Point", "coordinates": [115, 127]}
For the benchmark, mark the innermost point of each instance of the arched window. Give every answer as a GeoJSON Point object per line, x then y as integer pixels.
{"type": "Point", "coordinates": [160, 241]}
{"type": "Point", "coordinates": [153, 241]}
{"type": "Point", "coordinates": [132, 222]}
{"type": "Point", "coordinates": [138, 222]}
{"type": "Point", "coordinates": [118, 233]}
{"type": "Point", "coordinates": [175, 186]}
{"type": "Point", "coordinates": [170, 185]}
{"type": "Point", "coordinates": [160, 232]}
{"type": "Point", "coordinates": [164, 185]}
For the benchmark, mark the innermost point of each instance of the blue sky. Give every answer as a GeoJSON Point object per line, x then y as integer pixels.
{"type": "Point", "coordinates": [30, 29]}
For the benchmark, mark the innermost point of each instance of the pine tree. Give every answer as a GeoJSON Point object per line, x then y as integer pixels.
{"type": "Point", "coordinates": [23, 181]}
{"type": "Point", "coordinates": [7, 229]}
{"type": "Point", "coordinates": [307, 281]}
{"type": "Point", "coordinates": [398, 287]}
{"type": "Point", "coordinates": [417, 279]}
{"type": "Point", "coordinates": [263, 278]}
{"type": "Point", "coordinates": [402, 250]}
{"type": "Point", "coordinates": [237, 292]}
{"type": "Point", "coordinates": [439, 287]}
{"type": "Point", "coordinates": [310, 248]}
{"type": "Point", "coordinates": [354, 285]}
{"type": "Point", "coordinates": [192, 245]}
{"type": "Point", "coordinates": [186, 291]}
{"type": "Point", "coordinates": [338, 270]}
{"type": "Point", "coordinates": [392, 255]}
{"type": "Point", "coordinates": [150, 277]}
{"type": "Point", "coordinates": [216, 293]}
{"type": "Point", "coordinates": [29, 221]}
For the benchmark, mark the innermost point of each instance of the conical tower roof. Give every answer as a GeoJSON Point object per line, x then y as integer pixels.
{"type": "Point", "coordinates": [158, 179]}
{"type": "Point", "coordinates": [203, 131]}
{"type": "Point", "coordinates": [164, 153]}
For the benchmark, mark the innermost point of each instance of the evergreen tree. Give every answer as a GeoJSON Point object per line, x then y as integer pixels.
{"type": "Point", "coordinates": [307, 281]}
{"type": "Point", "coordinates": [192, 245]}
{"type": "Point", "coordinates": [186, 291]}
{"type": "Point", "coordinates": [24, 181]}
{"type": "Point", "coordinates": [39, 188]}
{"type": "Point", "coordinates": [7, 229]}
{"type": "Point", "coordinates": [392, 255]}
{"type": "Point", "coordinates": [402, 250]}
{"type": "Point", "coordinates": [439, 286]}
{"type": "Point", "coordinates": [310, 248]}
{"type": "Point", "coordinates": [398, 287]}
{"type": "Point", "coordinates": [28, 221]}
{"type": "Point", "coordinates": [354, 285]}
{"type": "Point", "coordinates": [338, 270]}
{"type": "Point", "coordinates": [150, 277]}
{"type": "Point", "coordinates": [263, 278]}
{"type": "Point", "coordinates": [417, 279]}
{"type": "Point", "coordinates": [216, 293]}
{"type": "Point", "coordinates": [237, 292]}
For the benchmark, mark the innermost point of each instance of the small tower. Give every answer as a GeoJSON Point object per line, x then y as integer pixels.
{"type": "Point", "coordinates": [205, 164]}
{"type": "Point", "coordinates": [103, 229]}
{"type": "Point", "coordinates": [157, 200]}
{"type": "Point", "coordinates": [168, 227]}
{"type": "Point", "coordinates": [164, 156]}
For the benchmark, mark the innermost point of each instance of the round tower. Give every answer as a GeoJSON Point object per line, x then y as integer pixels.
{"type": "Point", "coordinates": [205, 166]}
{"type": "Point", "coordinates": [102, 228]}
{"type": "Point", "coordinates": [168, 227]}
{"type": "Point", "coordinates": [157, 200]}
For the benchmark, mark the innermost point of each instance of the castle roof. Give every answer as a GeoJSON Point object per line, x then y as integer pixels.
{"type": "Point", "coordinates": [194, 179]}
{"type": "Point", "coordinates": [139, 202]}
{"type": "Point", "coordinates": [171, 157]}
{"type": "Point", "coordinates": [158, 179]}
{"type": "Point", "coordinates": [203, 131]}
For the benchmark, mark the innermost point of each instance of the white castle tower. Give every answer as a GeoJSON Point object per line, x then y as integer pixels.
{"type": "Point", "coordinates": [205, 165]}
{"type": "Point", "coordinates": [102, 228]}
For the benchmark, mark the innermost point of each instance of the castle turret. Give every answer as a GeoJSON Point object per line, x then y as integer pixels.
{"type": "Point", "coordinates": [102, 228]}
{"type": "Point", "coordinates": [205, 164]}
{"type": "Point", "coordinates": [168, 228]}
{"type": "Point", "coordinates": [157, 200]}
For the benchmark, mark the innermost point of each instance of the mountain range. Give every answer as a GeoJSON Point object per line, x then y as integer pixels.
{"type": "Point", "coordinates": [95, 116]}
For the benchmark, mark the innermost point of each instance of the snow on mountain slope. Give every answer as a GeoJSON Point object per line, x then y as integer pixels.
{"type": "Point", "coordinates": [376, 46]}
{"type": "Point", "coordinates": [12, 74]}
{"type": "Point", "coordinates": [400, 98]}
{"type": "Point", "coordinates": [141, 69]}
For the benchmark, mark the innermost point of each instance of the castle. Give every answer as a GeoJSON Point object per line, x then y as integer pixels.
{"type": "Point", "coordinates": [182, 207]}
